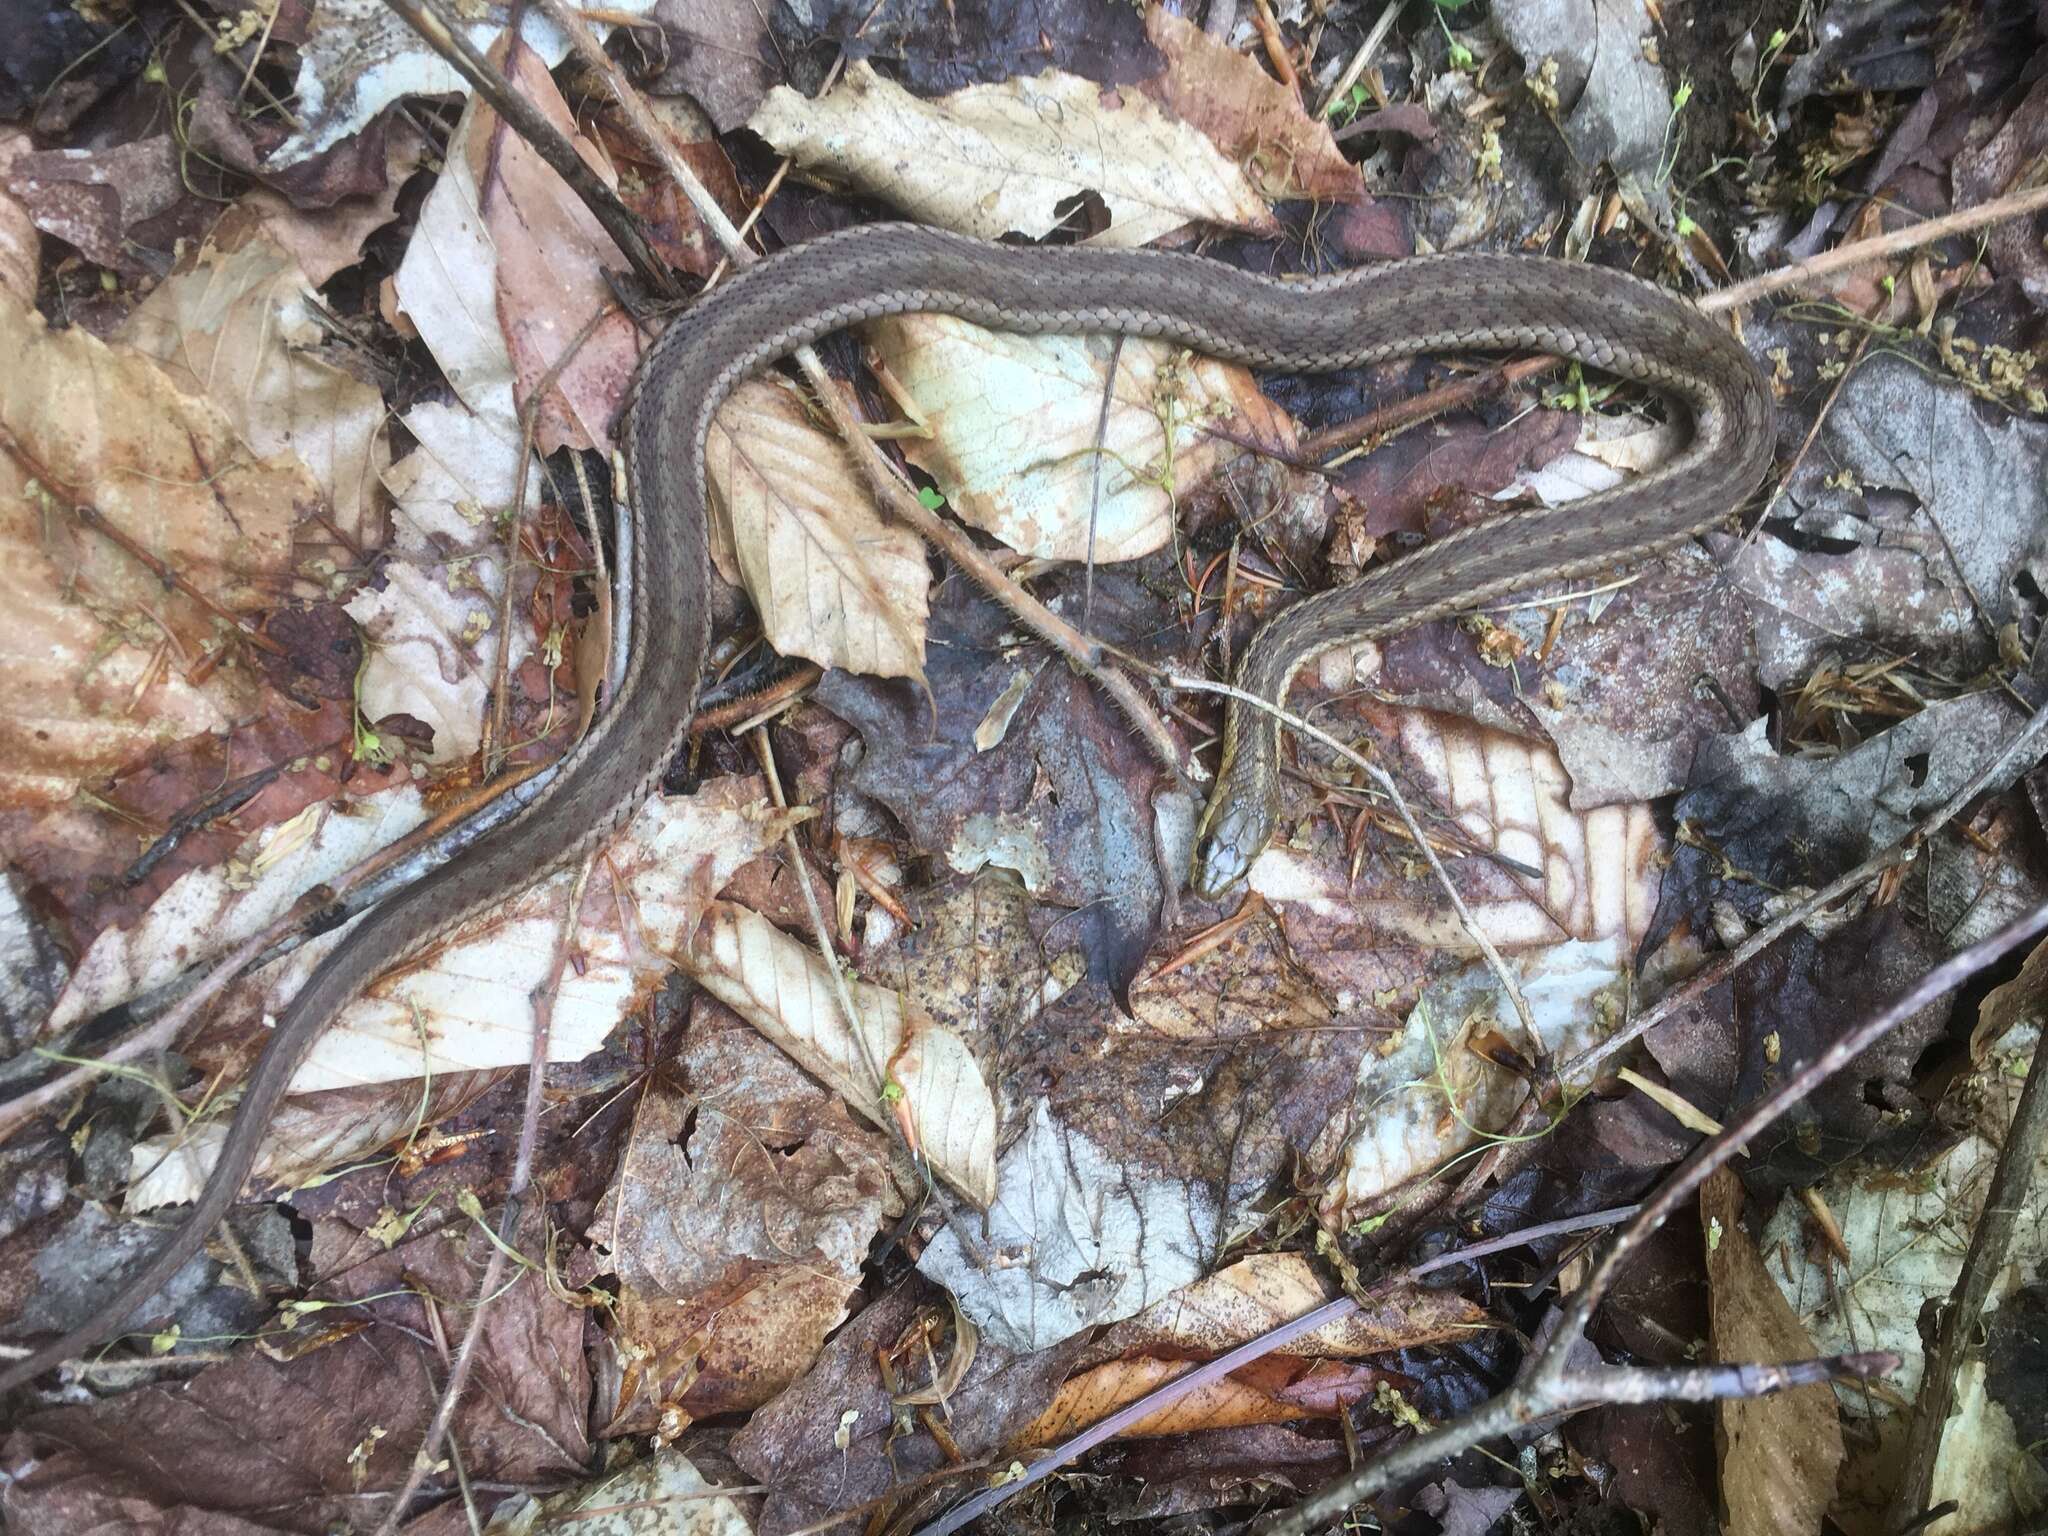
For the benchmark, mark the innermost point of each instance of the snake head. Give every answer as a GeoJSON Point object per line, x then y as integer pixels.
{"type": "Point", "coordinates": [1234, 830]}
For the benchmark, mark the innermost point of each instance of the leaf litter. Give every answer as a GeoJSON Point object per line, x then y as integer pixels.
{"type": "Point", "coordinates": [260, 605]}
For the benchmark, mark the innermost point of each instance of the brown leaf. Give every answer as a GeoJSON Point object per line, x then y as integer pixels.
{"type": "Point", "coordinates": [1779, 1454]}
{"type": "Point", "coordinates": [742, 1211]}
{"type": "Point", "coordinates": [1250, 115]}
{"type": "Point", "coordinates": [97, 653]}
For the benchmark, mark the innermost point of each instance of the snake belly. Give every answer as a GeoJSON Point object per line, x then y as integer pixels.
{"type": "Point", "coordinates": [1432, 303]}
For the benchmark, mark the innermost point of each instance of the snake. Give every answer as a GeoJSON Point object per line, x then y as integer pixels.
{"type": "Point", "coordinates": [1465, 300]}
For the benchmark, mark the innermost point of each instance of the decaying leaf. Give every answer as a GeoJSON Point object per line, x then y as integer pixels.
{"type": "Point", "coordinates": [929, 1079]}
{"type": "Point", "coordinates": [101, 660]}
{"type": "Point", "coordinates": [501, 287]}
{"type": "Point", "coordinates": [1779, 1454]}
{"type": "Point", "coordinates": [991, 160]}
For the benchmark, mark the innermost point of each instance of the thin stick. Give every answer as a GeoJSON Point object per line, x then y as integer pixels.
{"type": "Point", "coordinates": [445, 36]}
{"type": "Point", "coordinates": [1961, 1324]}
{"type": "Point", "coordinates": [1862, 252]}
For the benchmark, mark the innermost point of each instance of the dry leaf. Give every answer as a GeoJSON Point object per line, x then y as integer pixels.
{"type": "Point", "coordinates": [1599, 868]}
{"type": "Point", "coordinates": [432, 625]}
{"type": "Point", "coordinates": [552, 255]}
{"type": "Point", "coordinates": [780, 987]}
{"type": "Point", "coordinates": [1015, 425]}
{"type": "Point", "coordinates": [993, 160]}
{"type": "Point", "coordinates": [97, 653]}
{"type": "Point", "coordinates": [1779, 1454]}
{"type": "Point", "coordinates": [1253, 117]}
{"type": "Point", "coordinates": [467, 1004]}
{"type": "Point", "coordinates": [238, 327]}
{"type": "Point", "coordinates": [831, 581]}
{"type": "Point", "coordinates": [1255, 1295]}
{"type": "Point", "coordinates": [20, 245]}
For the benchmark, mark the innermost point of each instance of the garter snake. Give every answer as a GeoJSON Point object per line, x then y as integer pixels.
{"type": "Point", "coordinates": [1432, 303]}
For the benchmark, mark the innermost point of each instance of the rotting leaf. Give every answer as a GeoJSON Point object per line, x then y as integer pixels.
{"type": "Point", "coordinates": [831, 580]}
{"type": "Point", "coordinates": [1074, 1237]}
{"type": "Point", "coordinates": [433, 623]}
{"type": "Point", "coordinates": [995, 159]}
{"type": "Point", "coordinates": [97, 653]}
{"type": "Point", "coordinates": [780, 987]}
{"type": "Point", "coordinates": [741, 1211]}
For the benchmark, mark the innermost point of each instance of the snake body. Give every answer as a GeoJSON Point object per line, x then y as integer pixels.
{"type": "Point", "coordinates": [1464, 301]}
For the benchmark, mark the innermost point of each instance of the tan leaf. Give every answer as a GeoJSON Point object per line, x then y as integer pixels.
{"type": "Point", "coordinates": [1015, 423]}
{"type": "Point", "coordinates": [20, 245]}
{"type": "Point", "coordinates": [1093, 1395]}
{"type": "Point", "coordinates": [1253, 1296]}
{"type": "Point", "coordinates": [1779, 1454]}
{"type": "Point", "coordinates": [237, 326]}
{"type": "Point", "coordinates": [1252, 116]}
{"type": "Point", "coordinates": [741, 1213]}
{"type": "Point", "coordinates": [993, 160]}
{"type": "Point", "coordinates": [96, 652]}
{"type": "Point", "coordinates": [780, 987]}
{"type": "Point", "coordinates": [831, 581]}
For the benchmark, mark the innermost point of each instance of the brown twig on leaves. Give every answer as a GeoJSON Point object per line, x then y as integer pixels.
{"type": "Point", "coordinates": [1859, 253]}
{"type": "Point", "coordinates": [1192, 1380]}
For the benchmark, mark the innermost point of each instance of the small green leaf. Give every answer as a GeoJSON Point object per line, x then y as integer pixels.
{"type": "Point", "coordinates": [929, 499]}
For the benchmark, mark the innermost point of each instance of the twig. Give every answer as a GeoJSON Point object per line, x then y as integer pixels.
{"type": "Point", "coordinates": [1549, 1384]}
{"type": "Point", "coordinates": [1863, 252]}
{"type": "Point", "coordinates": [445, 36]}
{"type": "Point", "coordinates": [2028, 739]}
{"type": "Point", "coordinates": [1330, 1312]}
{"type": "Point", "coordinates": [492, 1282]}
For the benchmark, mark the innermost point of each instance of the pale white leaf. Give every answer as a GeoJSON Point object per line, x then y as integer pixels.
{"type": "Point", "coordinates": [1015, 424]}
{"type": "Point", "coordinates": [992, 160]}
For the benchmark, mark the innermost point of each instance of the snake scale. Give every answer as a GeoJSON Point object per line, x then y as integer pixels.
{"type": "Point", "coordinates": [1431, 303]}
